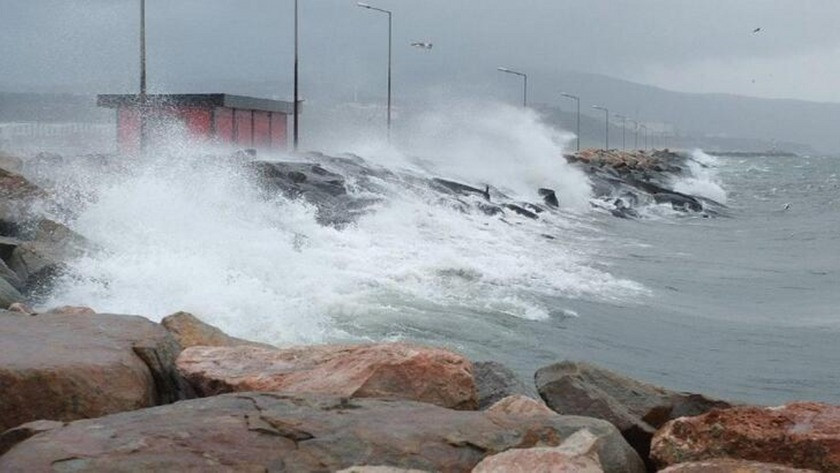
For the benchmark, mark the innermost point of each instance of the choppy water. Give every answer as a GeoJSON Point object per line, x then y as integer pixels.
{"type": "Point", "coordinates": [743, 307]}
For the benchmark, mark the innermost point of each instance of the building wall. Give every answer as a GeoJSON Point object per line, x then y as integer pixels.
{"type": "Point", "coordinates": [279, 138]}
{"type": "Point", "coordinates": [223, 125]}
{"type": "Point", "coordinates": [262, 130]}
{"type": "Point", "coordinates": [199, 122]}
{"type": "Point", "coordinates": [242, 127]}
{"type": "Point", "coordinates": [128, 130]}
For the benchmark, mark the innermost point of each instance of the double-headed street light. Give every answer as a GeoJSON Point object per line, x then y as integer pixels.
{"type": "Point", "coordinates": [388, 12]}
{"type": "Point", "coordinates": [524, 76]}
{"type": "Point", "coordinates": [143, 131]}
{"type": "Point", "coordinates": [296, 105]}
{"type": "Point", "coordinates": [636, 132]}
{"type": "Point", "coordinates": [623, 131]}
{"type": "Point", "coordinates": [577, 100]}
{"type": "Point", "coordinates": [607, 130]}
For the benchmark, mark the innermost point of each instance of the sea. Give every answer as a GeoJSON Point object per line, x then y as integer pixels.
{"type": "Point", "coordinates": [743, 306]}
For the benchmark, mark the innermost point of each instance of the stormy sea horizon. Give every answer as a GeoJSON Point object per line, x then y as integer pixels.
{"type": "Point", "coordinates": [740, 305]}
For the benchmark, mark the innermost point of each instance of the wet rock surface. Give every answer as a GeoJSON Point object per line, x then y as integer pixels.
{"type": "Point", "coordinates": [624, 181]}
{"type": "Point", "coordinates": [274, 432]}
{"type": "Point", "coordinates": [66, 366]}
{"type": "Point", "coordinates": [388, 370]}
{"type": "Point", "coordinates": [799, 435]}
{"type": "Point", "coordinates": [636, 408]}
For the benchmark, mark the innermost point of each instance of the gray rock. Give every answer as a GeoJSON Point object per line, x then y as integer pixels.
{"type": "Point", "coordinates": [636, 408]}
{"type": "Point", "coordinates": [8, 294]}
{"type": "Point", "coordinates": [285, 433]}
{"type": "Point", "coordinates": [70, 365]}
{"type": "Point", "coordinates": [495, 382]}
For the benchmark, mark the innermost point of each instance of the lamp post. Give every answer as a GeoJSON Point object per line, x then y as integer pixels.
{"type": "Point", "coordinates": [524, 76]}
{"type": "Point", "coordinates": [607, 130]}
{"type": "Point", "coordinates": [636, 131]}
{"type": "Point", "coordinates": [644, 135]}
{"type": "Point", "coordinates": [296, 105]}
{"type": "Point", "coordinates": [577, 101]}
{"type": "Point", "coordinates": [623, 131]}
{"type": "Point", "coordinates": [389, 13]}
{"type": "Point", "coordinates": [143, 111]}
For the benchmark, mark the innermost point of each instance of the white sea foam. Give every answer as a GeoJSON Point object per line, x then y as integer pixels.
{"type": "Point", "coordinates": [187, 232]}
{"type": "Point", "coordinates": [703, 180]}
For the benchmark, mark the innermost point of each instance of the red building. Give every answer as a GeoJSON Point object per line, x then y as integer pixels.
{"type": "Point", "coordinates": [245, 122]}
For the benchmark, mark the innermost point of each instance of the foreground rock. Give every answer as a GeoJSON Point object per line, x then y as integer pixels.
{"type": "Point", "coordinates": [189, 331]}
{"type": "Point", "coordinates": [799, 435]}
{"type": "Point", "coordinates": [577, 454]}
{"type": "Point", "coordinates": [731, 466]}
{"type": "Point", "coordinates": [636, 408]}
{"type": "Point", "coordinates": [274, 432]}
{"type": "Point", "coordinates": [495, 382]}
{"type": "Point", "coordinates": [395, 370]}
{"type": "Point", "coordinates": [67, 365]}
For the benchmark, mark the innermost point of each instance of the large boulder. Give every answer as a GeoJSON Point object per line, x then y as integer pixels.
{"type": "Point", "coordinates": [731, 466]}
{"type": "Point", "coordinates": [799, 435]}
{"type": "Point", "coordinates": [496, 381]}
{"type": "Point", "coordinates": [636, 408]}
{"type": "Point", "coordinates": [66, 366]}
{"type": "Point", "coordinates": [389, 370]}
{"type": "Point", "coordinates": [190, 331]}
{"type": "Point", "coordinates": [277, 432]}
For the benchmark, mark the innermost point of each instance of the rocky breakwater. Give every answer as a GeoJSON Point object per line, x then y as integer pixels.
{"type": "Point", "coordinates": [84, 386]}
{"type": "Point", "coordinates": [623, 181]}
{"type": "Point", "coordinates": [82, 391]}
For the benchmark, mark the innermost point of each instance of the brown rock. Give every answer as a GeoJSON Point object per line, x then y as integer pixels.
{"type": "Point", "coordinates": [520, 405]}
{"type": "Point", "coordinates": [731, 466]}
{"type": "Point", "coordinates": [577, 454]}
{"type": "Point", "coordinates": [378, 469]}
{"type": "Point", "coordinates": [391, 370]}
{"type": "Point", "coordinates": [66, 367]}
{"type": "Point", "coordinates": [636, 408]}
{"type": "Point", "coordinates": [72, 310]}
{"type": "Point", "coordinates": [16, 435]}
{"type": "Point", "coordinates": [189, 331]}
{"type": "Point", "coordinates": [799, 435]}
{"type": "Point", "coordinates": [275, 432]}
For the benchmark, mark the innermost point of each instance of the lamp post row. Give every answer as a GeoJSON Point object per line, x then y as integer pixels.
{"type": "Point", "coordinates": [296, 104]}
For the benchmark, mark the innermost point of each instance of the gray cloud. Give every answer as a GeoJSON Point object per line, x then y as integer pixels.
{"type": "Point", "coordinates": [91, 44]}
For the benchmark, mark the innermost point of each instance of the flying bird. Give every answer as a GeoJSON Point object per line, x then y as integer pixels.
{"type": "Point", "coordinates": [422, 45]}
{"type": "Point", "coordinates": [756, 30]}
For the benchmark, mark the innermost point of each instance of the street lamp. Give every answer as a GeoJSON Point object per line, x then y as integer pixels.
{"type": "Point", "coordinates": [524, 76]}
{"type": "Point", "coordinates": [143, 132]}
{"type": "Point", "coordinates": [623, 131]}
{"type": "Point", "coordinates": [577, 100]}
{"type": "Point", "coordinates": [296, 105]}
{"type": "Point", "coordinates": [607, 114]}
{"type": "Point", "coordinates": [636, 131]}
{"type": "Point", "coordinates": [644, 134]}
{"type": "Point", "coordinates": [388, 12]}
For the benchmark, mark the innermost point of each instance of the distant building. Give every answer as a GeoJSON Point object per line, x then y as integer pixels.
{"type": "Point", "coordinates": [246, 122]}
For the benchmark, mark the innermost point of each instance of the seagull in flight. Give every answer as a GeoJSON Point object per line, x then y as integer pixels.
{"type": "Point", "coordinates": [422, 45]}
{"type": "Point", "coordinates": [756, 30]}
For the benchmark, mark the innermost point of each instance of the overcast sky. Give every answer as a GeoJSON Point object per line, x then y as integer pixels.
{"type": "Point", "coordinates": [685, 45]}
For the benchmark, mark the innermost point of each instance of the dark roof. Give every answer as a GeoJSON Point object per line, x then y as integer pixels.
{"type": "Point", "coordinates": [196, 100]}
